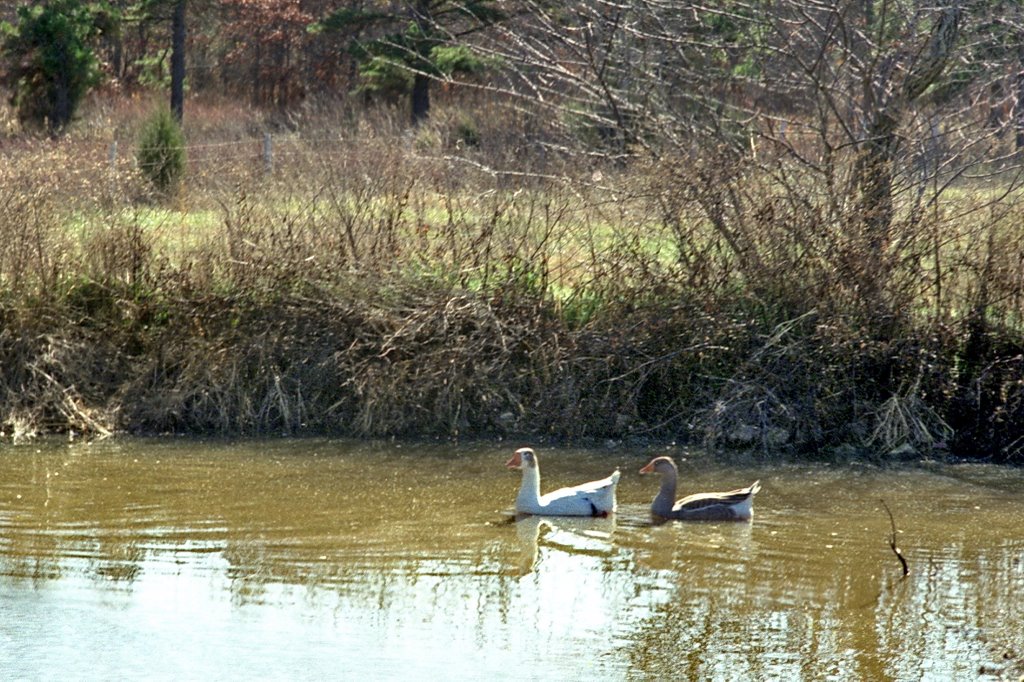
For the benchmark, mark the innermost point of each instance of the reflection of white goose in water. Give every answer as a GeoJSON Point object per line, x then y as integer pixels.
{"type": "Point", "coordinates": [572, 535]}
{"type": "Point", "coordinates": [735, 505]}
{"type": "Point", "coordinates": [596, 498]}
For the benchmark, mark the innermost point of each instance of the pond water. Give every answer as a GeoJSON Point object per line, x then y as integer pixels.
{"type": "Point", "coordinates": [318, 559]}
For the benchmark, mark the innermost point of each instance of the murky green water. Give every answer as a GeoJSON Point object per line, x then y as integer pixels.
{"type": "Point", "coordinates": [315, 560]}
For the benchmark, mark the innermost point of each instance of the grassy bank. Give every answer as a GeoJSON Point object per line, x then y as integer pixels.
{"type": "Point", "coordinates": [378, 282]}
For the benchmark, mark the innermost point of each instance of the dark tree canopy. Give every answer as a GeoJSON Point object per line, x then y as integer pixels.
{"type": "Point", "coordinates": [404, 50]}
{"type": "Point", "coordinates": [50, 58]}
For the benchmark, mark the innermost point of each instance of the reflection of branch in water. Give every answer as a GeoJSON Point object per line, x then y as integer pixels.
{"type": "Point", "coordinates": [892, 541]}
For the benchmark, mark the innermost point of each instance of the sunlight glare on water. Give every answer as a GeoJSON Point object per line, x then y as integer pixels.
{"type": "Point", "coordinates": [317, 559]}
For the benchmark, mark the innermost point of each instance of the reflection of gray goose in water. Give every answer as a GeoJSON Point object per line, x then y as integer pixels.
{"type": "Point", "coordinates": [735, 505]}
{"type": "Point", "coordinates": [596, 498]}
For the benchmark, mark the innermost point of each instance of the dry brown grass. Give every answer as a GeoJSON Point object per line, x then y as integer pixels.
{"type": "Point", "coordinates": [381, 282]}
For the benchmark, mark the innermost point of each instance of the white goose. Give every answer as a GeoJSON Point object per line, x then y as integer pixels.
{"type": "Point", "coordinates": [596, 498]}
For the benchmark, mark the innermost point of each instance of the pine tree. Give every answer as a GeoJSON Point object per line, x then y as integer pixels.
{"type": "Point", "coordinates": [50, 59]}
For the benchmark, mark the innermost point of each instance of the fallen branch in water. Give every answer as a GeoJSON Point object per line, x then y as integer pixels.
{"type": "Point", "coordinates": [892, 541]}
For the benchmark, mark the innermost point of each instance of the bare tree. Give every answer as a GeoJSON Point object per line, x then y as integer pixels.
{"type": "Point", "coordinates": [828, 122]}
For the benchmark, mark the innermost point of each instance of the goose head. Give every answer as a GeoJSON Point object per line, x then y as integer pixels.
{"type": "Point", "coordinates": [660, 465]}
{"type": "Point", "coordinates": [522, 458]}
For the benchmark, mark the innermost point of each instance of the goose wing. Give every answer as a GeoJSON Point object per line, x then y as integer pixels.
{"type": "Point", "coordinates": [596, 486]}
{"type": "Point", "coordinates": [587, 499]}
{"type": "Point", "coordinates": [725, 499]}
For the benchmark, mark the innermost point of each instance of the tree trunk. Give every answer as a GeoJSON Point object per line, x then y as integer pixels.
{"type": "Point", "coordinates": [61, 114]}
{"type": "Point", "coordinates": [997, 94]}
{"type": "Point", "coordinates": [1018, 109]}
{"type": "Point", "coordinates": [257, 67]}
{"type": "Point", "coordinates": [178, 34]}
{"type": "Point", "coordinates": [874, 169]}
{"type": "Point", "coordinates": [60, 102]}
{"type": "Point", "coordinates": [420, 98]}
{"type": "Point", "coordinates": [117, 58]}
{"type": "Point", "coordinates": [421, 82]}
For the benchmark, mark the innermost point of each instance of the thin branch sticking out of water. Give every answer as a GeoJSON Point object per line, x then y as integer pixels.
{"type": "Point", "coordinates": [892, 541]}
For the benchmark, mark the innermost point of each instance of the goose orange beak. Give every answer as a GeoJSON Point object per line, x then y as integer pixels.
{"type": "Point", "coordinates": [516, 461]}
{"type": "Point", "coordinates": [649, 469]}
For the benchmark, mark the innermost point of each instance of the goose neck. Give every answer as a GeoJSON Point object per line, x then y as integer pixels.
{"type": "Point", "coordinates": [529, 491]}
{"type": "Point", "coordinates": [666, 497]}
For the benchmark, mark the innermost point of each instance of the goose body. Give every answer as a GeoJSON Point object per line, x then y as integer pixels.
{"type": "Point", "coordinates": [734, 505]}
{"type": "Point", "coordinates": [596, 498]}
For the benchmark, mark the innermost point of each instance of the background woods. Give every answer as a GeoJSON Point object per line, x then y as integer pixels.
{"type": "Point", "coordinates": [780, 225]}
